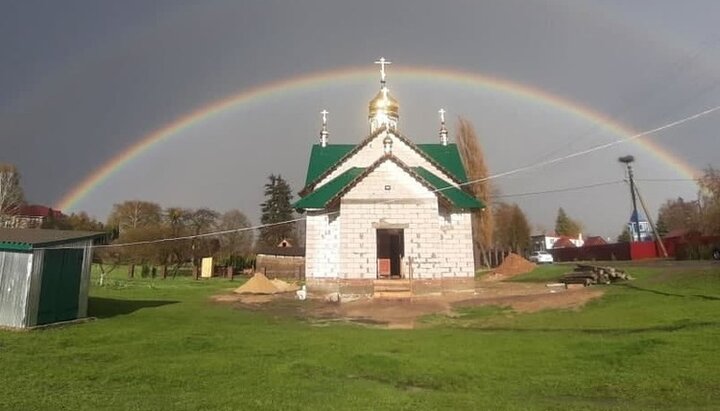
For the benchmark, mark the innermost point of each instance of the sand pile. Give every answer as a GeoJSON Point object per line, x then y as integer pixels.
{"type": "Point", "coordinates": [514, 265]}
{"type": "Point", "coordinates": [258, 284]}
{"type": "Point", "coordinates": [283, 286]}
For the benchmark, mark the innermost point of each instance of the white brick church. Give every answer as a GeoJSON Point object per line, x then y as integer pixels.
{"type": "Point", "coordinates": [387, 207]}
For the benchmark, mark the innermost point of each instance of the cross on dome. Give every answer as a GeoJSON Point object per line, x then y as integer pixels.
{"type": "Point", "coordinates": [382, 62]}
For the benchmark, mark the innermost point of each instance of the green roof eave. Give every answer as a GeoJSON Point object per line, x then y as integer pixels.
{"type": "Point", "coordinates": [448, 157]}
{"type": "Point", "coordinates": [457, 197]}
{"type": "Point", "coordinates": [325, 193]}
{"type": "Point", "coordinates": [15, 247]}
{"type": "Point", "coordinates": [323, 158]}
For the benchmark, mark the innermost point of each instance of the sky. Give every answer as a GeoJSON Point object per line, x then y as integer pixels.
{"type": "Point", "coordinates": [83, 81]}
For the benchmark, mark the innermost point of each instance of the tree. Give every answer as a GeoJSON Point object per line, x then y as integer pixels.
{"type": "Point", "coordinates": [276, 209]}
{"type": "Point", "coordinates": [678, 214]}
{"type": "Point", "coordinates": [235, 243]}
{"type": "Point", "coordinates": [11, 193]}
{"type": "Point", "coordinates": [565, 225]}
{"type": "Point", "coordinates": [710, 201]}
{"type": "Point", "coordinates": [624, 236]}
{"type": "Point", "coordinates": [512, 230]}
{"type": "Point", "coordinates": [134, 214]}
{"type": "Point", "coordinates": [202, 221]}
{"type": "Point", "coordinates": [473, 159]}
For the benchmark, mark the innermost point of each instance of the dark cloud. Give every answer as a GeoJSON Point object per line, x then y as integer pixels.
{"type": "Point", "coordinates": [82, 81]}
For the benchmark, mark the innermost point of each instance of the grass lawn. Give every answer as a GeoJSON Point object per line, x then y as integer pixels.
{"type": "Point", "coordinates": [161, 344]}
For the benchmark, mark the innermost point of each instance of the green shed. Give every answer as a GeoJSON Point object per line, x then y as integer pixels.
{"type": "Point", "coordinates": [44, 275]}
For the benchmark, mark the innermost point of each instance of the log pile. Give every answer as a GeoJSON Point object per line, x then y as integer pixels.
{"type": "Point", "coordinates": [586, 275]}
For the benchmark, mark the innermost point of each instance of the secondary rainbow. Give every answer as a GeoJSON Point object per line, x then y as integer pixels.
{"type": "Point", "coordinates": [309, 81]}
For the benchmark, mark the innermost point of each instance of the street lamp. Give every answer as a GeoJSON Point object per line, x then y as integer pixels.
{"type": "Point", "coordinates": [627, 160]}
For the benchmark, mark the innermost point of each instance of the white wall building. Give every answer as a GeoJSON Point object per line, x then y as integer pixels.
{"type": "Point", "coordinates": [386, 208]}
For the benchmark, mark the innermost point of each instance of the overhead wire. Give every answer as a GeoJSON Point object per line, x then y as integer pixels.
{"type": "Point", "coordinates": [490, 177]}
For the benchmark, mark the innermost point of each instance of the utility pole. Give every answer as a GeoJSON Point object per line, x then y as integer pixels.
{"type": "Point", "coordinates": [636, 223]}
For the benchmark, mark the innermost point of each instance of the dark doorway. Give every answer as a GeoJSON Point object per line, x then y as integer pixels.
{"type": "Point", "coordinates": [390, 250]}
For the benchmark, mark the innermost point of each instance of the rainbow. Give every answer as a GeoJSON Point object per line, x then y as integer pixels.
{"type": "Point", "coordinates": [309, 81]}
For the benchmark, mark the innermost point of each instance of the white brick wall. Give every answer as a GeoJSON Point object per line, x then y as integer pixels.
{"type": "Point", "coordinates": [439, 243]}
{"type": "Point", "coordinates": [322, 245]}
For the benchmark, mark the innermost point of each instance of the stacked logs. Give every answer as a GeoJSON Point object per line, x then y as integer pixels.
{"type": "Point", "coordinates": [586, 275]}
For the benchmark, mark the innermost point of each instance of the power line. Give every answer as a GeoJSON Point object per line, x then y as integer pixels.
{"type": "Point", "coordinates": [491, 177]}
{"type": "Point", "coordinates": [560, 190]}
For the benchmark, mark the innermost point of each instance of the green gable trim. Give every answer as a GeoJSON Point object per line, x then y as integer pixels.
{"type": "Point", "coordinates": [322, 196]}
{"type": "Point", "coordinates": [323, 158]}
{"type": "Point", "coordinates": [448, 157]}
{"type": "Point", "coordinates": [457, 197]}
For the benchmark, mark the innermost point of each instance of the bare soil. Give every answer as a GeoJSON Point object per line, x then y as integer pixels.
{"type": "Point", "coordinates": [520, 297]}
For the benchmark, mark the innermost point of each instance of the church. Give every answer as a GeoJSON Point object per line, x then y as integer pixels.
{"type": "Point", "coordinates": [387, 208]}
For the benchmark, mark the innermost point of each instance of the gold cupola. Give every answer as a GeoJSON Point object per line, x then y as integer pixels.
{"type": "Point", "coordinates": [384, 110]}
{"type": "Point", "coordinates": [383, 104]}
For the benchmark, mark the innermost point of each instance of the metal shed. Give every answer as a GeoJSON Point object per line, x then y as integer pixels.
{"type": "Point", "coordinates": [44, 275]}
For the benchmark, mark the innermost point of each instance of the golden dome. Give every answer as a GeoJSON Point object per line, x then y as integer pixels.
{"type": "Point", "coordinates": [385, 102]}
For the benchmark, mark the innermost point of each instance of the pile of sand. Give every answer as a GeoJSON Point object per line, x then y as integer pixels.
{"type": "Point", "coordinates": [283, 286]}
{"type": "Point", "coordinates": [259, 284]}
{"type": "Point", "coordinates": [513, 265]}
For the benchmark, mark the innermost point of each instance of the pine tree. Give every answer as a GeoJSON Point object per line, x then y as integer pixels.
{"type": "Point", "coordinates": [565, 225]}
{"type": "Point", "coordinates": [276, 209]}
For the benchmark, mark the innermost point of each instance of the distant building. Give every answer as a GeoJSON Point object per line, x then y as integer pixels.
{"type": "Point", "coordinates": [32, 216]}
{"type": "Point", "coordinates": [594, 240]}
{"type": "Point", "coordinates": [545, 242]}
{"type": "Point", "coordinates": [646, 233]}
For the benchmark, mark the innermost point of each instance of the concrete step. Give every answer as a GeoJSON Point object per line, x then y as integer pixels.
{"type": "Point", "coordinates": [392, 287]}
{"type": "Point", "coordinates": [392, 295]}
{"type": "Point", "coordinates": [404, 281]}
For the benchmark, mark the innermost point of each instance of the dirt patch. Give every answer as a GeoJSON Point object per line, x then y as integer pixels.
{"type": "Point", "coordinates": [521, 297]}
{"type": "Point", "coordinates": [532, 297]}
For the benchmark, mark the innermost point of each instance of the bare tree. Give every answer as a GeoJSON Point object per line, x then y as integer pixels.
{"type": "Point", "coordinates": [473, 159]}
{"type": "Point", "coordinates": [134, 214]}
{"type": "Point", "coordinates": [237, 243]}
{"type": "Point", "coordinates": [512, 229]}
{"type": "Point", "coordinates": [11, 193]}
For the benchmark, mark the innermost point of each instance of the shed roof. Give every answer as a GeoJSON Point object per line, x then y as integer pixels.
{"type": "Point", "coordinates": [25, 239]}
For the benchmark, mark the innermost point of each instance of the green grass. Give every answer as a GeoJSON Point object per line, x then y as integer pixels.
{"type": "Point", "coordinates": [161, 344]}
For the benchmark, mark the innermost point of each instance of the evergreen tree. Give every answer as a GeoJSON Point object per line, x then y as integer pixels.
{"type": "Point", "coordinates": [276, 209]}
{"type": "Point", "coordinates": [565, 225]}
{"type": "Point", "coordinates": [624, 236]}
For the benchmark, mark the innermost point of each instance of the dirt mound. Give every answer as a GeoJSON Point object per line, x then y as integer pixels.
{"type": "Point", "coordinates": [258, 284]}
{"type": "Point", "coordinates": [514, 265]}
{"type": "Point", "coordinates": [284, 286]}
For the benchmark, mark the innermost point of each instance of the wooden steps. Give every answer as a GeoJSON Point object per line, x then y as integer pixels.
{"type": "Point", "coordinates": [392, 289]}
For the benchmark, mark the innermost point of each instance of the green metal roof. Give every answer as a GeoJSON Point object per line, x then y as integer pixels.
{"type": "Point", "coordinates": [25, 239]}
{"type": "Point", "coordinates": [458, 197]}
{"type": "Point", "coordinates": [322, 196]}
{"type": "Point", "coordinates": [323, 158]}
{"type": "Point", "coordinates": [448, 157]}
